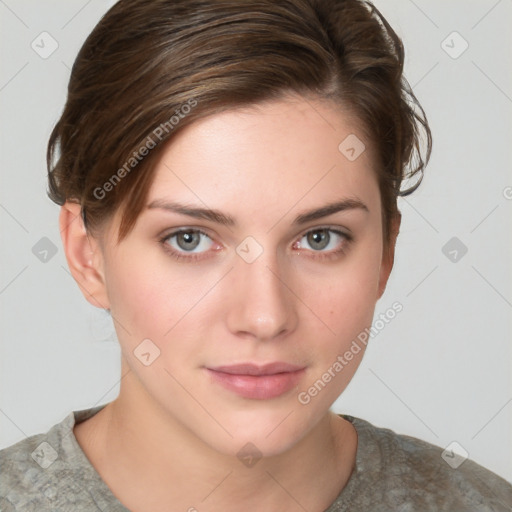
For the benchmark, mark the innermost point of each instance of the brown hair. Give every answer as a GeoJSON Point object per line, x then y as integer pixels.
{"type": "Point", "coordinates": [154, 66]}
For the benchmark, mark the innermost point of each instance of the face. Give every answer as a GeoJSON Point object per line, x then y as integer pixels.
{"type": "Point", "coordinates": [263, 283]}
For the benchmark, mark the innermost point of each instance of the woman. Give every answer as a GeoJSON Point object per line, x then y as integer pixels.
{"type": "Point", "coordinates": [228, 175]}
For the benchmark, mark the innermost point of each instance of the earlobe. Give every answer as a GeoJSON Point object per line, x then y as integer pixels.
{"type": "Point", "coordinates": [83, 255]}
{"type": "Point", "coordinates": [388, 256]}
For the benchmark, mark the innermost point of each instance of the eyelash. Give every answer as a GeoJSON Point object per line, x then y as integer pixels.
{"type": "Point", "coordinates": [320, 255]}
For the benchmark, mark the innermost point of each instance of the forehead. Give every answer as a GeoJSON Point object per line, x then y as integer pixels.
{"type": "Point", "coordinates": [276, 150]}
{"type": "Point", "coordinates": [265, 164]}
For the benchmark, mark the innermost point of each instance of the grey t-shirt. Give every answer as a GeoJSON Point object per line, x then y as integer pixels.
{"type": "Point", "coordinates": [393, 472]}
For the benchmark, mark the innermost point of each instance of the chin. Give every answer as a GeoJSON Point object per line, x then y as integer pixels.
{"type": "Point", "coordinates": [268, 433]}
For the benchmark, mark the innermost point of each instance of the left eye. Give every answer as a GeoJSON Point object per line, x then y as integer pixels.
{"type": "Point", "coordinates": [322, 239]}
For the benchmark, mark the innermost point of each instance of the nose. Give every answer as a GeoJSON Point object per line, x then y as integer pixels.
{"type": "Point", "coordinates": [262, 305]}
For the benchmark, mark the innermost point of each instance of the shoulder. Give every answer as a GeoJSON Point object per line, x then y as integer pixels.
{"type": "Point", "coordinates": [407, 471]}
{"type": "Point", "coordinates": [46, 471]}
{"type": "Point", "coordinates": [23, 479]}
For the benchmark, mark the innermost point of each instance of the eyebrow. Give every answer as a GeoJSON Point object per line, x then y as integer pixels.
{"type": "Point", "coordinates": [226, 220]}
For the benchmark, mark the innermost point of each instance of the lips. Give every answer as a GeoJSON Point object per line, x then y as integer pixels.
{"type": "Point", "coordinates": [258, 382]}
{"type": "Point", "coordinates": [253, 369]}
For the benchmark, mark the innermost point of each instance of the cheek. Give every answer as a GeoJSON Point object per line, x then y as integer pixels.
{"type": "Point", "coordinates": [152, 303]}
{"type": "Point", "coordinates": [152, 299]}
{"type": "Point", "coordinates": [355, 282]}
{"type": "Point", "coordinates": [135, 295]}
{"type": "Point", "coordinates": [142, 298]}
{"type": "Point", "coordinates": [348, 296]}
{"type": "Point", "coordinates": [348, 303]}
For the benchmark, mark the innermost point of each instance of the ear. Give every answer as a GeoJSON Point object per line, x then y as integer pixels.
{"type": "Point", "coordinates": [388, 256]}
{"type": "Point", "coordinates": [84, 255]}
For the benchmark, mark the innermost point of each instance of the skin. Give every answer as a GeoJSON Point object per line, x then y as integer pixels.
{"type": "Point", "coordinates": [170, 439]}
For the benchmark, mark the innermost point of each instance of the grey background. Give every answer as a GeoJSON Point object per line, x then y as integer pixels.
{"type": "Point", "coordinates": [440, 371]}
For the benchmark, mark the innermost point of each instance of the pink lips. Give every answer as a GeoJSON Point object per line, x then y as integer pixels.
{"type": "Point", "coordinates": [258, 382]}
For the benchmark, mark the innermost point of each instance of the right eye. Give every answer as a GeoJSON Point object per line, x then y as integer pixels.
{"type": "Point", "coordinates": [187, 243]}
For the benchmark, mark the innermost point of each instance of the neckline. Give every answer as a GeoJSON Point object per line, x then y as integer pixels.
{"type": "Point", "coordinates": [106, 499]}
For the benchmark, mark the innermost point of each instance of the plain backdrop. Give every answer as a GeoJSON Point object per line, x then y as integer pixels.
{"type": "Point", "coordinates": [440, 371]}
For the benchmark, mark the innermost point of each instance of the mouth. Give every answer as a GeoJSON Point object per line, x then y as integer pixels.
{"type": "Point", "coordinates": [260, 382]}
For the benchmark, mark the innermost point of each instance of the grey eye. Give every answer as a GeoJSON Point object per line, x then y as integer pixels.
{"type": "Point", "coordinates": [188, 240]}
{"type": "Point", "coordinates": [319, 239]}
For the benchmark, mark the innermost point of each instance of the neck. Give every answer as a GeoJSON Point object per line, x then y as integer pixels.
{"type": "Point", "coordinates": [153, 463]}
